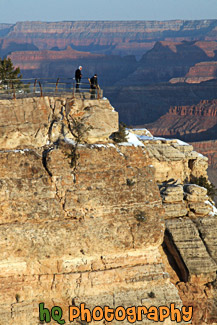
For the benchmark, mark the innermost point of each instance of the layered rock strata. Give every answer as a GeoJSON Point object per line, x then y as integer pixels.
{"type": "Point", "coordinates": [73, 233]}
{"type": "Point", "coordinates": [35, 122]}
{"type": "Point", "coordinates": [173, 61]}
{"type": "Point", "coordinates": [117, 37]}
{"type": "Point", "coordinates": [83, 220]}
{"type": "Point", "coordinates": [191, 122]}
{"type": "Point", "coordinates": [200, 72]}
{"type": "Point", "coordinates": [190, 221]}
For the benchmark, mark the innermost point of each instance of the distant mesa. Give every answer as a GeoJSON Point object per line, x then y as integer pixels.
{"type": "Point", "coordinates": [125, 37]}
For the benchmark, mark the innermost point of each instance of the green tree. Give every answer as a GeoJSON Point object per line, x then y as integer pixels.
{"type": "Point", "coordinates": [9, 75]}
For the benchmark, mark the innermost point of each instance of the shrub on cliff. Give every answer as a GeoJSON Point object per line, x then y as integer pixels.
{"type": "Point", "coordinates": [121, 135]}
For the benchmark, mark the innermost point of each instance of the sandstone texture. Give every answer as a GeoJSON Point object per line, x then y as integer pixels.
{"type": "Point", "coordinates": [35, 122]}
{"type": "Point", "coordinates": [79, 232]}
{"type": "Point", "coordinates": [83, 240]}
{"type": "Point", "coordinates": [87, 220]}
{"type": "Point", "coordinates": [189, 246]}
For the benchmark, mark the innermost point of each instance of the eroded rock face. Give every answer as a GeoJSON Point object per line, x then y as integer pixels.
{"type": "Point", "coordinates": [190, 246]}
{"type": "Point", "coordinates": [81, 234]}
{"type": "Point", "coordinates": [126, 36]}
{"type": "Point", "coordinates": [35, 122]}
{"type": "Point", "coordinates": [175, 159]}
{"type": "Point", "coordinates": [200, 72]}
{"type": "Point", "coordinates": [192, 122]}
{"type": "Point", "coordinates": [85, 222]}
{"type": "Point", "coordinates": [76, 228]}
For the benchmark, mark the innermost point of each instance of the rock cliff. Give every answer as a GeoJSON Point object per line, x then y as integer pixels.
{"type": "Point", "coordinates": [170, 59]}
{"type": "Point", "coordinates": [139, 105]}
{"type": "Point", "coordinates": [32, 60]}
{"type": "Point", "coordinates": [209, 149]}
{"type": "Point", "coordinates": [87, 220]}
{"type": "Point", "coordinates": [113, 37]}
{"type": "Point", "coordinates": [192, 122]}
{"type": "Point", "coordinates": [189, 61]}
{"type": "Point", "coordinates": [200, 72]}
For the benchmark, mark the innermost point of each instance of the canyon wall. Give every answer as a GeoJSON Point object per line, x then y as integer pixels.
{"type": "Point", "coordinates": [137, 58]}
{"type": "Point", "coordinates": [87, 220]}
{"type": "Point", "coordinates": [190, 123]}
{"type": "Point", "coordinates": [140, 105]}
{"type": "Point", "coordinates": [192, 62]}
{"type": "Point", "coordinates": [112, 37]}
{"type": "Point", "coordinates": [200, 72]}
{"type": "Point", "coordinates": [170, 59]}
{"type": "Point", "coordinates": [134, 60]}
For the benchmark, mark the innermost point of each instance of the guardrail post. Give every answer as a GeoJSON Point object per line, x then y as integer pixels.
{"type": "Point", "coordinates": [40, 88]}
{"type": "Point", "coordinates": [73, 91]}
{"type": "Point", "coordinates": [14, 94]}
{"type": "Point", "coordinates": [34, 86]}
{"type": "Point", "coordinates": [57, 85]}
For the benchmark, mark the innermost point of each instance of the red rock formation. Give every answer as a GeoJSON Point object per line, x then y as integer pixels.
{"type": "Point", "coordinates": [186, 120]}
{"type": "Point", "coordinates": [202, 71]}
{"type": "Point", "coordinates": [204, 108]}
{"type": "Point", "coordinates": [208, 149]}
{"type": "Point", "coordinates": [32, 59]}
{"type": "Point", "coordinates": [172, 60]}
{"type": "Point", "coordinates": [125, 35]}
{"type": "Point", "coordinates": [209, 47]}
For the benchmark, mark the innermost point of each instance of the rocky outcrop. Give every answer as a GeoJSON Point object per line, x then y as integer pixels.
{"type": "Point", "coordinates": [176, 161]}
{"type": "Point", "coordinates": [200, 72]}
{"type": "Point", "coordinates": [79, 232]}
{"type": "Point", "coordinates": [36, 122]}
{"type": "Point", "coordinates": [189, 247]}
{"type": "Point", "coordinates": [188, 122]}
{"type": "Point", "coordinates": [87, 220]}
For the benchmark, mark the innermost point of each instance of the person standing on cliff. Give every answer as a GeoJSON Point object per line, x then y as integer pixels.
{"type": "Point", "coordinates": [78, 76]}
{"type": "Point", "coordinates": [93, 86]}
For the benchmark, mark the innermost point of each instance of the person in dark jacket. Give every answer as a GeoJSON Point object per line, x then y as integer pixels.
{"type": "Point", "coordinates": [93, 86]}
{"type": "Point", "coordinates": [78, 76]}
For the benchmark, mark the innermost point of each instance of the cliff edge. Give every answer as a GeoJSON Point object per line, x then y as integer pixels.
{"type": "Point", "coordinates": [84, 220]}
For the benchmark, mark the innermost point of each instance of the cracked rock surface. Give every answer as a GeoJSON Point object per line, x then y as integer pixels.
{"type": "Point", "coordinates": [87, 234]}
{"type": "Point", "coordinates": [91, 225]}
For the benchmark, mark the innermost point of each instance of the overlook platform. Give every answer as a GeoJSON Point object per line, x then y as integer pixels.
{"type": "Point", "coordinates": [38, 87]}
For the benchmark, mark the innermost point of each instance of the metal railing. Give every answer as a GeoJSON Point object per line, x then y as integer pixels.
{"type": "Point", "coordinates": [16, 88]}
